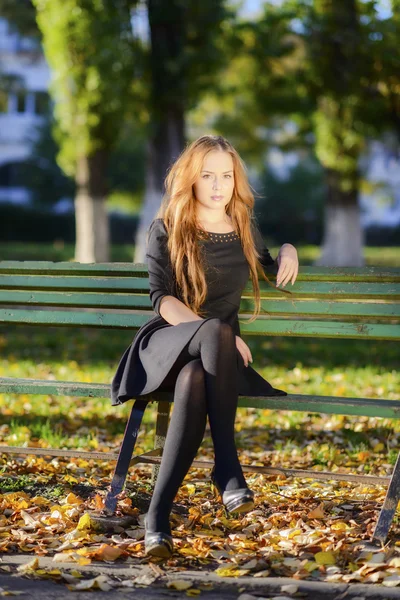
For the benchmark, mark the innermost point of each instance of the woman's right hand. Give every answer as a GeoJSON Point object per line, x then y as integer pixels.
{"type": "Point", "coordinates": [244, 350]}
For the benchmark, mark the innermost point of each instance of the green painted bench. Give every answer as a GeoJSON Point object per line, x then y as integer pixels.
{"type": "Point", "coordinates": [360, 303]}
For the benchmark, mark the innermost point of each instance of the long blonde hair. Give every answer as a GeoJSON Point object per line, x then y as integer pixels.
{"type": "Point", "coordinates": [178, 211]}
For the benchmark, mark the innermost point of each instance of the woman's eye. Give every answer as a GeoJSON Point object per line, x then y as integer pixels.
{"type": "Point", "coordinates": [227, 175]}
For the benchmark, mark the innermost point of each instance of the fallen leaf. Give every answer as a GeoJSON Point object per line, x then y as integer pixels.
{"type": "Point", "coordinates": [317, 513]}
{"type": "Point", "coordinates": [325, 558]}
{"type": "Point", "coordinates": [102, 582]}
{"type": "Point", "coordinates": [179, 584]}
{"type": "Point", "coordinates": [108, 553]}
{"type": "Point", "coordinates": [32, 565]}
{"type": "Point", "coordinates": [84, 522]}
{"type": "Point", "coordinates": [72, 499]}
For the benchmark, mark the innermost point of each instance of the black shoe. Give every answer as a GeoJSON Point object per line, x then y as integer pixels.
{"type": "Point", "coordinates": [240, 501]}
{"type": "Point", "coordinates": [158, 543]}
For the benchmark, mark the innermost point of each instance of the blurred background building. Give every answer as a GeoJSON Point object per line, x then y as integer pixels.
{"type": "Point", "coordinates": [22, 109]}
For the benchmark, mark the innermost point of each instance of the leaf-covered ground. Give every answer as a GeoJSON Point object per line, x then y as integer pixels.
{"type": "Point", "coordinates": [304, 529]}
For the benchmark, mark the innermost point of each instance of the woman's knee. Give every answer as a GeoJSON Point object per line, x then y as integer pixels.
{"type": "Point", "coordinates": [217, 328]}
{"type": "Point", "coordinates": [192, 373]}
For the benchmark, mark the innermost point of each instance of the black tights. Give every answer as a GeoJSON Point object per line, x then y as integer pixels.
{"type": "Point", "coordinates": [206, 384]}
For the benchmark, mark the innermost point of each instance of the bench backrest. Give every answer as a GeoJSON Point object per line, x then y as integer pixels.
{"type": "Point", "coordinates": [343, 302]}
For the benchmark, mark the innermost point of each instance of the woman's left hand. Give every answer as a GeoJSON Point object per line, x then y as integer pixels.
{"type": "Point", "coordinates": [244, 350]}
{"type": "Point", "coordinates": [288, 263]}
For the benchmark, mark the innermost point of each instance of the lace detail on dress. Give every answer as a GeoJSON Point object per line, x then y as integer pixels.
{"type": "Point", "coordinates": [218, 237]}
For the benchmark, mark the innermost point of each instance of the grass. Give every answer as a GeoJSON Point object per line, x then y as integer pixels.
{"type": "Point", "coordinates": [298, 365]}
{"type": "Point", "coordinates": [57, 251]}
{"type": "Point", "coordinates": [353, 368]}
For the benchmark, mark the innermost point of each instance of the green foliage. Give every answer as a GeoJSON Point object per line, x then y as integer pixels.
{"type": "Point", "coordinates": [331, 68]}
{"type": "Point", "coordinates": [297, 203]}
{"type": "Point", "coordinates": [41, 173]}
{"type": "Point", "coordinates": [89, 47]}
{"type": "Point", "coordinates": [351, 62]}
{"type": "Point", "coordinates": [338, 145]}
{"type": "Point", "coordinates": [384, 91]}
{"type": "Point", "coordinates": [125, 173]}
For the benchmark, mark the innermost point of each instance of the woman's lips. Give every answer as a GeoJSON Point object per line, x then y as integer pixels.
{"type": "Point", "coordinates": [217, 197]}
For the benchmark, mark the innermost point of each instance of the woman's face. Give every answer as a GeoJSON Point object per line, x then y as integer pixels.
{"type": "Point", "coordinates": [214, 187]}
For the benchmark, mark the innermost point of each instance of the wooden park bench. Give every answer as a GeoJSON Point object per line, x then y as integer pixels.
{"type": "Point", "coordinates": [360, 303]}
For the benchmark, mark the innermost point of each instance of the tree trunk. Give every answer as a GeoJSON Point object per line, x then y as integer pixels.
{"type": "Point", "coordinates": [91, 219]}
{"type": "Point", "coordinates": [343, 239]}
{"type": "Point", "coordinates": [167, 111]}
{"type": "Point", "coordinates": [162, 150]}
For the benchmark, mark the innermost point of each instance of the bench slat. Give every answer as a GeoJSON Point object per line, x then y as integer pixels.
{"type": "Point", "coordinates": [315, 289]}
{"type": "Point", "coordinates": [77, 299]}
{"type": "Point", "coordinates": [262, 326]}
{"type": "Point", "coordinates": [367, 407]}
{"type": "Point", "coordinates": [367, 273]}
{"type": "Point", "coordinates": [356, 310]}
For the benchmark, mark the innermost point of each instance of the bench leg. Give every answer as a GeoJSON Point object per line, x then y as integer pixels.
{"type": "Point", "coordinates": [389, 506]}
{"type": "Point", "coordinates": [125, 455]}
{"type": "Point", "coordinates": [161, 433]}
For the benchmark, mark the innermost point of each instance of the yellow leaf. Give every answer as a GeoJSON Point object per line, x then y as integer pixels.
{"type": "Point", "coordinates": [98, 502]}
{"type": "Point", "coordinates": [72, 499]}
{"type": "Point", "coordinates": [379, 447]}
{"type": "Point", "coordinates": [325, 558]}
{"type": "Point", "coordinates": [294, 533]}
{"type": "Point", "coordinates": [317, 513]}
{"type": "Point", "coordinates": [363, 455]}
{"type": "Point", "coordinates": [193, 592]}
{"type": "Point", "coordinates": [70, 479]}
{"type": "Point", "coordinates": [76, 573]}
{"type": "Point", "coordinates": [106, 552]}
{"type": "Point", "coordinates": [179, 584]}
{"type": "Point", "coordinates": [40, 501]}
{"type": "Point", "coordinates": [191, 489]}
{"type": "Point", "coordinates": [84, 522]}
{"type": "Point", "coordinates": [32, 565]}
{"type": "Point", "coordinates": [229, 571]}
{"type": "Point", "coordinates": [310, 566]}
{"type": "Point", "coordinates": [83, 560]}
{"type": "Point", "coordinates": [340, 526]}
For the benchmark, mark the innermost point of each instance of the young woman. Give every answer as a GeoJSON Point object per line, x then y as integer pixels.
{"type": "Point", "coordinates": [203, 246]}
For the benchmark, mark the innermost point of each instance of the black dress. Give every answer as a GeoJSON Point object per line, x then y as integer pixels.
{"type": "Point", "coordinates": [145, 363]}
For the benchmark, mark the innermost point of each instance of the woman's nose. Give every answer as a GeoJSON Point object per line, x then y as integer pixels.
{"type": "Point", "coordinates": [216, 184]}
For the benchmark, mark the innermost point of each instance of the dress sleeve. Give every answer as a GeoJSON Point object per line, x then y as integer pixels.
{"type": "Point", "coordinates": [159, 266]}
{"type": "Point", "coordinates": [266, 259]}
